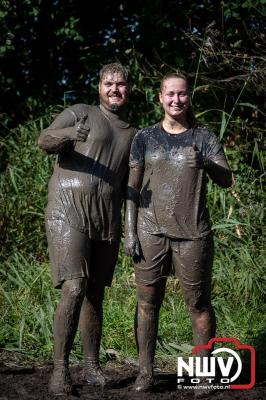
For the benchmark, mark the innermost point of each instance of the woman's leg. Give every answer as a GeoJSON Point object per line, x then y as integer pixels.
{"type": "Point", "coordinates": [193, 264]}
{"type": "Point", "coordinates": [149, 300]}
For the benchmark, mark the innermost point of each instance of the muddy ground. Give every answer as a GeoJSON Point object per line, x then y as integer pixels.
{"type": "Point", "coordinates": [30, 383]}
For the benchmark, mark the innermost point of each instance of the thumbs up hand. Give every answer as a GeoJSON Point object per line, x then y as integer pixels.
{"type": "Point", "coordinates": [195, 158]}
{"type": "Point", "coordinates": [82, 129]}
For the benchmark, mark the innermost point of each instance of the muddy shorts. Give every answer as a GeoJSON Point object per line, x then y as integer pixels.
{"type": "Point", "coordinates": [74, 255]}
{"type": "Point", "coordinates": [189, 260]}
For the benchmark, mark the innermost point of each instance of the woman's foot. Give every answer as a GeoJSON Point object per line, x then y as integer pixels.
{"type": "Point", "coordinates": [144, 382]}
{"type": "Point", "coordinates": [92, 373]}
{"type": "Point", "coordinates": [203, 389]}
{"type": "Point", "coordinates": [60, 382]}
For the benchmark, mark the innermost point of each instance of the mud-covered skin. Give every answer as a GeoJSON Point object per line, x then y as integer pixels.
{"type": "Point", "coordinates": [86, 192]}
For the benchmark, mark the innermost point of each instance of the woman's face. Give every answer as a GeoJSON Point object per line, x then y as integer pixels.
{"type": "Point", "coordinates": [174, 98]}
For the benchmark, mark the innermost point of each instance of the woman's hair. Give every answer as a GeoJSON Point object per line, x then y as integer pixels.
{"type": "Point", "coordinates": [178, 75]}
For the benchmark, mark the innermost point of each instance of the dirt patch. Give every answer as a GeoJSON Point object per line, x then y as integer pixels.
{"type": "Point", "coordinates": [30, 383]}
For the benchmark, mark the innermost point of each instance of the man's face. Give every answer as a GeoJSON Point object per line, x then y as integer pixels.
{"type": "Point", "coordinates": [174, 98]}
{"type": "Point", "coordinates": [113, 91]}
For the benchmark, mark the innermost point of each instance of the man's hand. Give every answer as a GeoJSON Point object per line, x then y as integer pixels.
{"type": "Point", "coordinates": [132, 245]}
{"type": "Point", "coordinates": [194, 158]}
{"type": "Point", "coordinates": [82, 129]}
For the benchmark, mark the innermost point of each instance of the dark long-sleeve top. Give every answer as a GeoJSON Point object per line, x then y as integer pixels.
{"type": "Point", "coordinates": [86, 189]}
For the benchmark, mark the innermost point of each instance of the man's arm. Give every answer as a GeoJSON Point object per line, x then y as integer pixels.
{"type": "Point", "coordinates": [63, 130]}
{"type": "Point", "coordinates": [132, 246]}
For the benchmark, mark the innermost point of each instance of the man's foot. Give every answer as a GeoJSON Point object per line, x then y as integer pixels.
{"type": "Point", "coordinates": [92, 373]}
{"type": "Point", "coordinates": [60, 382]}
{"type": "Point", "coordinates": [144, 382]}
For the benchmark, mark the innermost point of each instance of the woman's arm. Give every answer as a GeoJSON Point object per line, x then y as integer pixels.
{"type": "Point", "coordinates": [132, 246]}
{"type": "Point", "coordinates": [219, 171]}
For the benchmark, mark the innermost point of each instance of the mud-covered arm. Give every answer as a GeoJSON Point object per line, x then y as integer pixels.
{"type": "Point", "coordinates": [213, 161]}
{"type": "Point", "coordinates": [64, 129]}
{"type": "Point", "coordinates": [220, 172]}
{"type": "Point", "coordinates": [132, 246]}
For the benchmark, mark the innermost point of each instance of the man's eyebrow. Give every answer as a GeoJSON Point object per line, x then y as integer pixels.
{"type": "Point", "coordinates": [112, 81]}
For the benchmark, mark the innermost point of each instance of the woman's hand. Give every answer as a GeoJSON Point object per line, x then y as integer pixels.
{"type": "Point", "coordinates": [132, 245]}
{"type": "Point", "coordinates": [194, 158]}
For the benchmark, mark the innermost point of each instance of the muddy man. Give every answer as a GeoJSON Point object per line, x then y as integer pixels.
{"type": "Point", "coordinates": [85, 196]}
{"type": "Point", "coordinates": [167, 222]}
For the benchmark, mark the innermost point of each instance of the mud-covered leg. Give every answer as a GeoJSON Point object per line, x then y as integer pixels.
{"type": "Point", "coordinates": [65, 327]}
{"type": "Point", "coordinates": [149, 300]}
{"type": "Point", "coordinates": [203, 326]}
{"type": "Point", "coordinates": [90, 326]}
{"type": "Point", "coordinates": [193, 262]}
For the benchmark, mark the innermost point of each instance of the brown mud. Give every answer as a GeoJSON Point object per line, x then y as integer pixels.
{"type": "Point", "coordinates": [30, 383]}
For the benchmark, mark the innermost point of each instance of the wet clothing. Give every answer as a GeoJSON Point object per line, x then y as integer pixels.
{"type": "Point", "coordinates": [74, 255]}
{"type": "Point", "coordinates": [87, 188]}
{"type": "Point", "coordinates": [189, 260]}
{"type": "Point", "coordinates": [173, 224]}
{"type": "Point", "coordinates": [173, 195]}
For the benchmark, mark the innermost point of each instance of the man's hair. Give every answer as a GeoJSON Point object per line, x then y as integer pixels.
{"type": "Point", "coordinates": [178, 75]}
{"type": "Point", "coordinates": [115, 68]}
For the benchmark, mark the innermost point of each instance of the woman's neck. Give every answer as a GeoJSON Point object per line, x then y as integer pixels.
{"type": "Point", "coordinates": [173, 126]}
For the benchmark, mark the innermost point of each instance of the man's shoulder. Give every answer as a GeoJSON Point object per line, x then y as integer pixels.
{"type": "Point", "coordinates": [80, 109]}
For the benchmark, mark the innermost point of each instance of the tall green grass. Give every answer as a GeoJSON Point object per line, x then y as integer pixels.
{"type": "Point", "coordinates": [28, 301]}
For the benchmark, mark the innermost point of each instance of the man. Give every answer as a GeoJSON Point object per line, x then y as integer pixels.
{"type": "Point", "coordinates": [86, 192]}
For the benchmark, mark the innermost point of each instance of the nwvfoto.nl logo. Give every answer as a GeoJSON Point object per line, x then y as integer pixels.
{"type": "Point", "coordinates": [224, 366]}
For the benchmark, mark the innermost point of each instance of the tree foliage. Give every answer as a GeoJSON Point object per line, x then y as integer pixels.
{"type": "Point", "coordinates": [51, 50]}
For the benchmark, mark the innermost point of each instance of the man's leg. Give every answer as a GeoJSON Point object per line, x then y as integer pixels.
{"type": "Point", "coordinates": [65, 327]}
{"type": "Point", "coordinates": [103, 259]}
{"type": "Point", "coordinates": [90, 326]}
{"type": "Point", "coordinates": [149, 300]}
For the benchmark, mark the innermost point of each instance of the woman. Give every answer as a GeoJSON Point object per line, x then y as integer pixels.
{"type": "Point", "coordinates": [167, 222]}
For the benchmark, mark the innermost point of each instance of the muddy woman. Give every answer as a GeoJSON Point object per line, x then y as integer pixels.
{"type": "Point", "coordinates": [82, 216]}
{"type": "Point", "coordinates": [167, 222]}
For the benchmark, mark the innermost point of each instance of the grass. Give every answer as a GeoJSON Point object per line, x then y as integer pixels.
{"type": "Point", "coordinates": [28, 303]}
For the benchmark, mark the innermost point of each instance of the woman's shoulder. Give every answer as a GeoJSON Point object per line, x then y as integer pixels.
{"type": "Point", "coordinates": [148, 130]}
{"type": "Point", "coordinates": [204, 132]}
